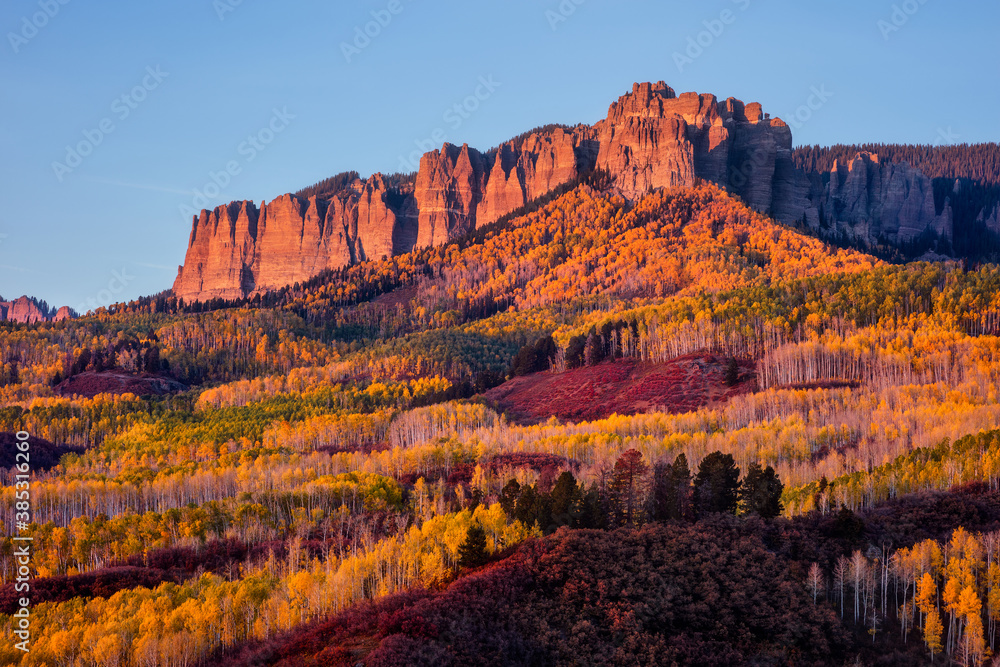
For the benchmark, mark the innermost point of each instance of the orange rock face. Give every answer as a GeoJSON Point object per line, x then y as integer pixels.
{"type": "Point", "coordinates": [459, 188]}
{"type": "Point", "coordinates": [651, 138]}
{"type": "Point", "coordinates": [28, 311]}
{"type": "Point", "coordinates": [238, 249]}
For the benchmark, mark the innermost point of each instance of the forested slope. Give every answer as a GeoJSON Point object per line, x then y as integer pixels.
{"type": "Point", "coordinates": [340, 460]}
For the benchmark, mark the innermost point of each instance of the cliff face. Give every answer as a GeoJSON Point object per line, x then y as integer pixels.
{"type": "Point", "coordinates": [991, 218]}
{"type": "Point", "coordinates": [240, 249]}
{"type": "Point", "coordinates": [459, 188]}
{"type": "Point", "coordinates": [28, 311]}
{"type": "Point", "coordinates": [650, 138]}
{"type": "Point", "coordinates": [865, 199]}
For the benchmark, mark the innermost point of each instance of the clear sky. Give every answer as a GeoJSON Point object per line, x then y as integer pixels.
{"type": "Point", "coordinates": [161, 95]}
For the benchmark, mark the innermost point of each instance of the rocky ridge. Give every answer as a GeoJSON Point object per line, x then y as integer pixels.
{"type": "Point", "coordinates": [650, 138]}
{"type": "Point", "coordinates": [28, 310]}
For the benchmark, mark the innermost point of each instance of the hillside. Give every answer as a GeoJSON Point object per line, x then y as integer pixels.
{"type": "Point", "coordinates": [340, 446]}
{"type": "Point", "coordinates": [528, 605]}
{"type": "Point", "coordinates": [619, 413]}
{"type": "Point", "coordinates": [623, 387]}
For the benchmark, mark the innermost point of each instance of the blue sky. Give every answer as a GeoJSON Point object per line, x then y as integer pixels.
{"type": "Point", "coordinates": [181, 86]}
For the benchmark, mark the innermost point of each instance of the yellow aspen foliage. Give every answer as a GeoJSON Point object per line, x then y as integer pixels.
{"type": "Point", "coordinates": [973, 641]}
{"type": "Point", "coordinates": [932, 632]}
{"type": "Point", "coordinates": [926, 599]}
{"type": "Point", "coordinates": [951, 594]}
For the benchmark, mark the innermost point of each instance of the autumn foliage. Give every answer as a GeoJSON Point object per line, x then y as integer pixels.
{"type": "Point", "coordinates": [662, 431]}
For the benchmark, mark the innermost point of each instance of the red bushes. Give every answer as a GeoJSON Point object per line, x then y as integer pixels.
{"type": "Point", "coordinates": [534, 460]}
{"type": "Point", "coordinates": [708, 594]}
{"type": "Point", "coordinates": [624, 387]}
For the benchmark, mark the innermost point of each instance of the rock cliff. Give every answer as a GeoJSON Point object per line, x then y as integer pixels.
{"type": "Point", "coordinates": [459, 188]}
{"type": "Point", "coordinates": [653, 138]}
{"type": "Point", "coordinates": [240, 249]}
{"type": "Point", "coordinates": [28, 311]}
{"type": "Point", "coordinates": [865, 199]}
{"type": "Point", "coordinates": [650, 138]}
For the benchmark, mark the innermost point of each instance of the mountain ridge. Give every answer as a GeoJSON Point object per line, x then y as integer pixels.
{"type": "Point", "coordinates": [651, 138]}
{"type": "Point", "coordinates": [29, 310]}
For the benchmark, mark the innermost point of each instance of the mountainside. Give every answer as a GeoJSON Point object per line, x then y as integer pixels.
{"type": "Point", "coordinates": [659, 425]}
{"type": "Point", "coordinates": [585, 243]}
{"type": "Point", "coordinates": [651, 138]}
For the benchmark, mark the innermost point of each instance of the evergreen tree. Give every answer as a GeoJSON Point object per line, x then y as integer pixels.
{"type": "Point", "coordinates": [543, 512]}
{"type": "Point", "coordinates": [681, 485]}
{"type": "Point", "coordinates": [717, 484]}
{"type": "Point", "coordinates": [626, 488]}
{"type": "Point", "coordinates": [760, 492]}
{"type": "Point", "coordinates": [534, 357]}
{"type": "Point", "coordinates": [526, 510]}
{"type": "Point", "coordinates": [574, 351]}
{"type": "Point", "coordinates": [472, 552]}
{"type": "Point", "coordinates": [566, 496]}
{"type": "Point", "coordinates": [671, 497]}
{"type": "Point", "coordinates": [592, 512]}
{"type": "Point", "coordinates": [508, 497]}
{"type": "Point", "coordinates": [732, 372]}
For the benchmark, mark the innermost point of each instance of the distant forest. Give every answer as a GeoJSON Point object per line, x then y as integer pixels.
{"type": "Point", "coordinates": [330, 187]}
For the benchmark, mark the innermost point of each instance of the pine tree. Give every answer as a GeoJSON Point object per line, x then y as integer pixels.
{"type": "Point", "coordinates": [472, 552]}
{"type": "Point", "coordinates": [626, 487]}
{"type": "Point", "coordinates": [592, 513]}
{"type": "Point", "coordinates": [716, 486]}
{"type": "Point", "coordinates": [565, 500]}
{"type": "Point", "coordinates": [509, 495]}
{"type": "Point", "coordinates": [671, 497]}
{"type": "Point", "coordinates": [526, 510]}
{"type": "Point", "coordinates": [760, 492]}
{"type": "Point", "coordinates": [680, 485]}
{"type": "Point", "coordinates": [575, 350]}
{"type": "Point", "coordinates": [732, 372]}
